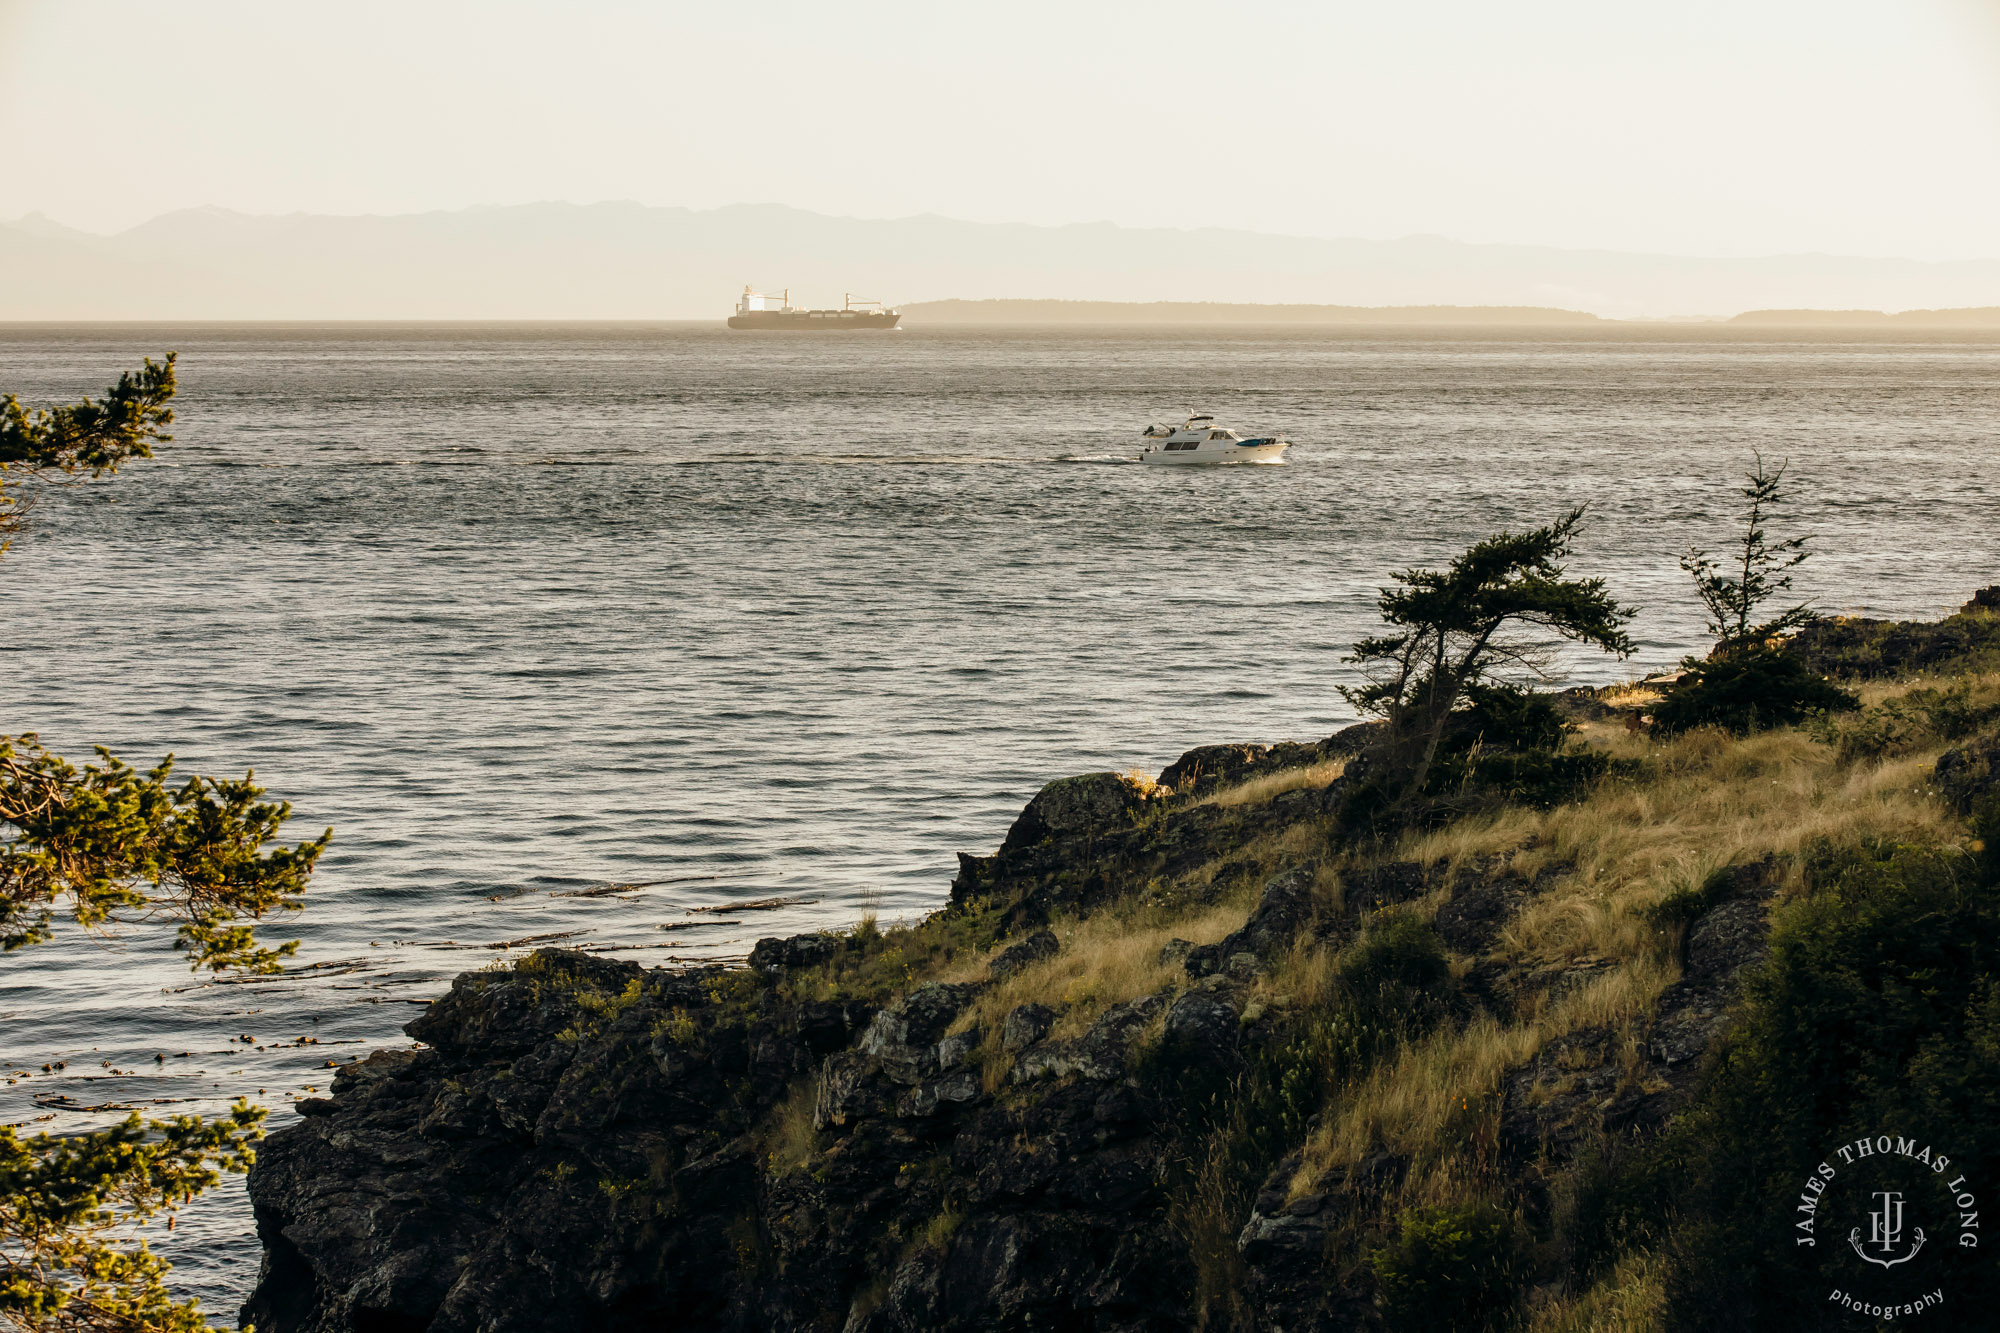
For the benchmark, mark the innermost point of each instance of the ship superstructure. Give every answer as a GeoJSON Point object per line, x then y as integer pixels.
{"type": "Point", "coordinates": [757, 311]}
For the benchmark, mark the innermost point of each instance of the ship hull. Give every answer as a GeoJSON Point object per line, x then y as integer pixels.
{"type": "Point", "coordinates": [813, 321]}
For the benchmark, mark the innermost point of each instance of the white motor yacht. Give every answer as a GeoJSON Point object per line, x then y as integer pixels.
{"type": "Point", "coordinates": [1201, 441]}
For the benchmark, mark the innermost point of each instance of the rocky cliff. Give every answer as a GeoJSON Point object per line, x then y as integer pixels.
{"type": "Point", "coordinates": [1191, 1053]}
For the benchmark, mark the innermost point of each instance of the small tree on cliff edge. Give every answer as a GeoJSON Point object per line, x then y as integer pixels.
{"type": "Point", "coordinates": [1495, 612]}
{"type": "Point", "coordinates": [1748, 681]}
{"type": "Point", "coordinates": [1757, 570]}
{"type": "Point", "coordinates": [103, 845]}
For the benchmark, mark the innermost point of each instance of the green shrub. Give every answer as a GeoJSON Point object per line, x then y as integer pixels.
{"type": "Point", "coordinates": [1503, 717]}
{"type": "Point", "coordinates": [1506, 748]}
{"type": "Point", "coordinates": [1396, 977]}
{"type": "Point", "coordinates": [1450, 1268]}
{"type": "Point", "coordinates": [1878, 1008]}
{"type": "Point", "coordinates": [1898, 725]}
{"type": "Point", "coordinates": [1748, 690]}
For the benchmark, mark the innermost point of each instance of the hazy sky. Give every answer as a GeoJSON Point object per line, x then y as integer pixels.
{"type": "Point", "coordinates": [1753, 126]}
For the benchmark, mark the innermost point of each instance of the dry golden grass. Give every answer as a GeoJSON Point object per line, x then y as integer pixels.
{"type": "Point", "coordinates": [1258, 790]}
{"type": "Point", "coordinates": [1628, 1299]}
{"type": "Point", "coordinates": [1106, 959]}
{"type": "Point", "coordinates": [791, 1141]}
{"type": "Point", "coordinates": [1708, 801]}
{"type": "Point", "coordinates": [1140, 778]}
{"type": "Point", "coordinates": [1301, 977]}
{"type": "Point", "coordinates": [1631, 695]}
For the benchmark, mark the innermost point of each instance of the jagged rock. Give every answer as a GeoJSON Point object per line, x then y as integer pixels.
{"type": "Point", "coordinates": [1036, 948]}
{"type": "Point", "coordinates": [1386, 886]}
{"type": "Point", "coordinates": [1354, 740]}
{"type": "Point", "coordinates": [1101, 1053]}
{"type": "Point", "coordinates": [955, 1088]}
{"type": "Point", "coordinates": [584, 1144]}
{"type": "Point", "coordinates": [1209, 768]}
{"type": "Point", "coordinates": [1079, 806]}
{"type": "Point", "coordinates": [1584, 1085]}
{"type": "Point", "coordinates": [1986, 599]}
{"type": "Point", "coordinates": [1284, 909]}
{"type": "Point", "coordinates": [828, 1026]}
{"type": "Point", "coordinates": [1175, 951]}
{"type": "Point", "coordinates": [1203, 1025]}
{"type": "Point", "coordinates": [1025, 1025]}
{"type": "Point", "coordinates": [1284, 1243]}
{"type": "Point", "coordinates": [846, 1089]}
{"type": "Point", "coordinates": [903, 1038]}
{"type": "Point", "coordinates": [772, 955]}
{"type": "Point", "coordinates": [1720, 947]}
{"type": "Point", "coordinates": [1966, 774]}
{"type": "Point", "coordinates": [1857, 647]}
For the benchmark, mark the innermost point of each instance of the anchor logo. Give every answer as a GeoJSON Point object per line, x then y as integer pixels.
{"type": "Point", "coordinates": [1885, 1232]}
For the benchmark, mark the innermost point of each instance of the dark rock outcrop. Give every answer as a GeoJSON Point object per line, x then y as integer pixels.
{"type": "Point", "coordinates": [1586, 1086]}
{"type": "Point", "coordinates": [1084, 841]}
{"type": "Point", "coordinates": [583, 1144]}
{"type": "Point", "coordinates": [1862, 649]}
{"type": "Point", "coordinates": [1210, 768]}
{"type": "Point", "coordinates": [1283, 910]}
{"type": "Point", "coordinates": [1036, 948]}
{"type": "Point", "coordinates": [1025, 1025]}
{"type": "Point", "coordinates": [1094, 803]}
{"type": "Point", "coordinates": [780, 955]}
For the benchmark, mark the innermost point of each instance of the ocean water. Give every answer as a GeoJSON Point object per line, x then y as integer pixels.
{"type": "Point", "coordinates": [527, 613]}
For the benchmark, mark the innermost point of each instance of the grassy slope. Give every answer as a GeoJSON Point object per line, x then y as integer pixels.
{"type": "Point", "coordinates": [1600, 869]}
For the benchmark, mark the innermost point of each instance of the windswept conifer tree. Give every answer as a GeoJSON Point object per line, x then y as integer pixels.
{"type": "Point", "coordinates": [1492, 617]}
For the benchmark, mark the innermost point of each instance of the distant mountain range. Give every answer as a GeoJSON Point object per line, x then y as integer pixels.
{"type": "Point", "coordinates": [625, 261]}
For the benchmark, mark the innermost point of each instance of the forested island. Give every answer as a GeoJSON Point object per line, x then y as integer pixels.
{"type": "Point", "coordinates": [1016, 311]}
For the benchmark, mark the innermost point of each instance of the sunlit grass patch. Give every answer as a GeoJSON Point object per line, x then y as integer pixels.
{"type": "Point", "coordinates": [1105, 959]}
{"type": "Point", "coordinates": [1313, 777]}
{"type": "Point", "coordinates": [791, 1141]}
{"type": "Point", "coordinates": [1701, 802]}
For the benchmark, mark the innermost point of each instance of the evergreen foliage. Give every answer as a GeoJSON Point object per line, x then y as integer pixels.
{"type": "Point", "coordinates": [1749, 682]}
{"type": "Point", "coordinates": [108, 838]}
{"type": "Point", "coordinates": [1749, 688]}
{"type": "Point", "coordinates": [1456, 1268]}
{"type": "Point", "coordinates": [1757, 571]}
{"type": "Point", "coordinates": [89, 437]}
{"type": "Point", "coordinates": [63, 1200]}
{"type": "Point", "coordinates": [107, 844]}
{"type": "Point", "coordinates": [1877, 1011]}
{"type": "Point", "coordinates": [1471, 635]}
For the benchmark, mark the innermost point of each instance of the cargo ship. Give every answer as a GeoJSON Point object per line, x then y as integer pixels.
{"type": "Point", "coordinates": [777, 312]}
